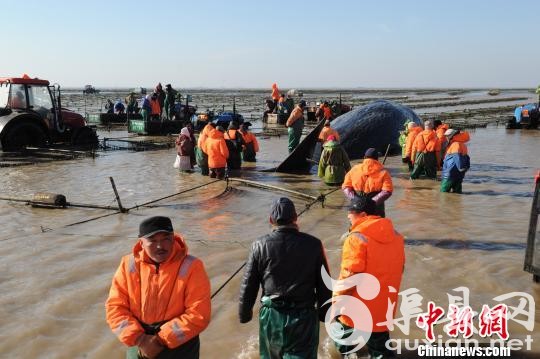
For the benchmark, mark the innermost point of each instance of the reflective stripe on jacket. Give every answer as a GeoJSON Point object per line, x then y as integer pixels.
{"type": "Point", "coordinates": [176, 292]}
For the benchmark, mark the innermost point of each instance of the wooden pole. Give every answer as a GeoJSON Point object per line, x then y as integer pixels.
{"type": "Point", "coordinates": [122, 209]}
{"type": "Point", "coordinates": [386, 154]}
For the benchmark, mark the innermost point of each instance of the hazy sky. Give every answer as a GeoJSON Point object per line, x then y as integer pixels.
{"type": "Point", "coordinates": [251, 43]}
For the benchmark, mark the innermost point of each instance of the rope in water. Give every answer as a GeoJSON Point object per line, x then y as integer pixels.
{"type": "Point", "coordinates": [321, 199]}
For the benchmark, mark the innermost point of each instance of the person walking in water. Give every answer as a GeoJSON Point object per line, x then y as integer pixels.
{"type": "Point", "coordinates": [425, 153]}
{"type": "Point", "coordinates": [371, 246]}
{"type": "Point", "coordinates": [217, 152]}
{"type": "Point", "coordinates": [334, 162]}
{"type": "Point", "coordinates": [295, 125]}
{"type": "Point", "coordinates": [159, 301]}
{"type": "Point", "coordinates": [371, 179]}
{"type": "Point", "coordinates": [251, 147]}
{"type": "Point", "coordinates": [456, 161]}
{"type": "Point", "coordinates": [287, 265]}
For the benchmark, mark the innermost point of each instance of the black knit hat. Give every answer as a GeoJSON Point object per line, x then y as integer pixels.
{"type": "Point", "coordinates": [153, 225]}
{"type": "Point", "coordinates": [283, 211]}
{"type": "Point", "coordinates": [361, 204]}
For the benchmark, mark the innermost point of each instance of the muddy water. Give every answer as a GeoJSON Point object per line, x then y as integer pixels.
{"type": "Point", "coordinates": [54, 277]}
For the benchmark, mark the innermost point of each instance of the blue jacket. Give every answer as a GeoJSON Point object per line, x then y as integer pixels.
{"type": "Point", "coordinates": [455, 165]}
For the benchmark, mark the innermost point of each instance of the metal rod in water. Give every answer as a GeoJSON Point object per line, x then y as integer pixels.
{"type": "Point", "coordinates": [122, 209]}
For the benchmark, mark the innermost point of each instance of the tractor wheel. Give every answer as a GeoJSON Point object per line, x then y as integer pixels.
{"type": "Point", "coordinates": [22, 135]}
{"type": "Point", "coordinates": [85, 137]}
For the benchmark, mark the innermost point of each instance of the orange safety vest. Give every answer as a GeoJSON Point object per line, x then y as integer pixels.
{"type": "Point", "coordinates": [177, 292]}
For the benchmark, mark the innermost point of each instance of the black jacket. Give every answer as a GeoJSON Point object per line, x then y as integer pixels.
{"type": "Point", "coordinates": [287, 264]}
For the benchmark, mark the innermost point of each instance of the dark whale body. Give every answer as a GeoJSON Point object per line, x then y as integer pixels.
{"type": "Point", "coordinates": [376, 124]}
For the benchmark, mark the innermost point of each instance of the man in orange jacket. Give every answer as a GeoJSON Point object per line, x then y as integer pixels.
{"type": "Point", "coordinates": [217, 152]}
{"type": "Point", "coordinates": [426, 153]}
{"type": "Point", "coordinates": [159, 301]}
{"type": "Point", "coordinates": [371, 179]}
{"type": "Point", "coordinates": [328, 131]}
{"type": "Point", "coordinates": [372, 246]}
{"type": "Point", "coordinates": [414, 130]}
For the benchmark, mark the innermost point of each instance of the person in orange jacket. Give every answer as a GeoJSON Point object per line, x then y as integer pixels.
{"type": "Point", "coordinates": [200, 151]}
{"type": "Point", "coordinates": [456, 161]}
{"type": "Point", "coordinates": [414, 130]}
{"type": "Point", "coordinates": [373, 247]}
{"type": "Point", "coordinates": [275, 96]}
{"type": "Point", "coordinates": [371, 179]}
{"type": "Point", "coordinates": [217, 152]}
{"type": "Point", "coordinates": [159, 301]}
{"type": "Point", "coordinates": [426, 153]}
{"type": "Point", "coordinates": [295, 125]}
{"type": "Point", "coordinates": [155, 108]}
{"type": "Point", "coordinates": [251, 144]}
{"type": "Point", "coordinates": [328, 131]}
{"type": "Point", "coordinates": [440, 129]}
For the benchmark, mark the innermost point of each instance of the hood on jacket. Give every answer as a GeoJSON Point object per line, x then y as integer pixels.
{"type": "Point", "coordinates": [428, 135]}
{"type": "Point", "coordinates": [179, 250]}
{"type": "Point", "coordinates": [376, 228]}
{"type": "Point", "coordinates": [216, 134]}
{"type": "Point", "coordinates": [370, 166]}
{"type": "Point", "coordinates": [461, 137]}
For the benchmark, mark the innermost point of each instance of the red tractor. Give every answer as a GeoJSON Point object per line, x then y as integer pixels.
{"type": "Point", "coordinates": [31, 114]}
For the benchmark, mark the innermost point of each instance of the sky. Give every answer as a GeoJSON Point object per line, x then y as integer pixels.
{"type": "Point", "coordinates": [253, 43]}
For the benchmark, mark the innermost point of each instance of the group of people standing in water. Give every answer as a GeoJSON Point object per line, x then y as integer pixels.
{"type": "Point", "coordinates": [217, 149]}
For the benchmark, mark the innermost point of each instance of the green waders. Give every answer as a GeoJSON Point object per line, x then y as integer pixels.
{"type": "Point", "coordinates": [145, 116]}
{"type": "Point", "coordinates": [188, 350]}
{"type": "Point", "coordinates": [425, 164]}
{"type": "Point", "coordinates": [448, 185]}
{"type": "Point", "coordinates": [376, 343]}
{"type": "Point", "coordinates": [287, 332]}
{"type": "Point", "coordinates": [294, 137]}
{"type": "Point", "coordinates": [202, 161]}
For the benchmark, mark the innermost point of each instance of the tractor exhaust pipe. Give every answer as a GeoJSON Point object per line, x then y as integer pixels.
{"type": "Point", "coordinates": [59, 123]}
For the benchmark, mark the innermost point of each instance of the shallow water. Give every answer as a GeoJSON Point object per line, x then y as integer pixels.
{"type": "Point", "coordinates": [54, 277]}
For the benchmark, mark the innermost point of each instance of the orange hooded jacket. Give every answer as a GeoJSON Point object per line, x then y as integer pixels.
{"type": "Point", "coordinates": [275, 92]}
{"type": "Point", "coordinates": [441, 130]}
{"type": "Point", "coordinates": [328, 131]}
{"type": "Point", "coordinates": [216, 149]}
{"type": "Point", "coordinates": [413, 132]}
{"type": "Point", "coordinates": [457, 144]}
{"type": "Point", "coordinates": [368, 176]}
{"type": "Point", "coordinates": [176, 292]}
{"type": "Point", "coordinates": [250, 137]}
{"type": "Point", "coordinates": [426, 141]}
{"type": "Point", "coordinates": [204, 136]}
{"type": "Point", "coordinates": [374, 247]}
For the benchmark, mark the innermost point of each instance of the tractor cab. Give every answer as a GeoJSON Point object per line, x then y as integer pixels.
{"type": "Point", "coordinates": [31, 114]}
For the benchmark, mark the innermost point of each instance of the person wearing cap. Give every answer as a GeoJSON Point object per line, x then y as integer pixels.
{"type": "Point", "coordinates": [295, 125]}
{"type": "Point", "coordinates": [217, 152]}
{"type": "Point", "coordinates": [159, 301]}
{"type": "Point", "coordinates": [327, 131]}
{"type": "Point", "coordinates": [287, 265]}
{"type": "Point", "coordinates": [371, 179]}
{"type": "Point", "coordinates": [334, 162]}
{"type": "Point", "coordinates": [426, 153]}
{"type": "Point", "coordinates": [251, 146]}
{"type": "Point", "coordinates": [235, 144]}
{"type": "Point", "coordinates": [119, 107]}
{"type": "Point", "coordinates": [414, 130]}
{"type": "Point", "coordinates": [371, 246]}
{"type": "Point", "coordinates": [456, 161]}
